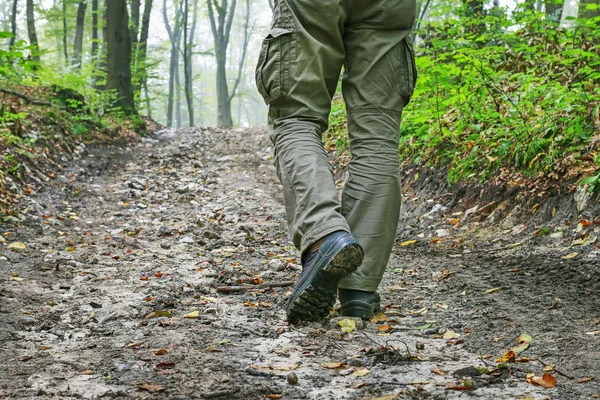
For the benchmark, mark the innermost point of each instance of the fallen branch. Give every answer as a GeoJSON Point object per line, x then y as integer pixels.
{"type": "Point", "coordinates": [240, 289]}
{"type": "Point", "coordinates": [26, 98]}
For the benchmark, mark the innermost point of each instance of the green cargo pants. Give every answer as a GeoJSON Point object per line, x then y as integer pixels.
{"type": "Point", "coordinates": [297, 74]}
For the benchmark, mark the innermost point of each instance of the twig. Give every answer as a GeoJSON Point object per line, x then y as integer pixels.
{"type": "Point", "coordinates": [240, 289]}
{"type": "Point", "coordinates": [554, 369]}
{"type": "Point", "coordinates": [26, 98]}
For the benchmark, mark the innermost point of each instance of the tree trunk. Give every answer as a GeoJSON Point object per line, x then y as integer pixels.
{"type": "Point", "coordinates": [223, 99]}
{"type": "Point", "coordinates": [33, 40]}
{"type": "Point", "coordinates": [94, 52]}
{"type": "Point", "coordinates": [13, 24]}
{"type": "Point", "coordinates": [64, 22]}
{"type": "Point", "coordinates": [78, 43]}
{"type": "Point", "coordinates": [135, 21]}
{"type": "Point", "coordinates": [174, 35]}
{"type": "Point", "coordinates": [142, 51]}
{"type": "Point", "coordinates": [118, 58]}
{"type": "Point", "coordinates": [221, 30]}
{"type": "Point", "coordinates": [187, 59]}
{"type": "Point", "coordinates": [554, 10]}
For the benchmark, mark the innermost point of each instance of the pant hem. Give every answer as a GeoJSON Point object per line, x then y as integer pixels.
{"type": "Point", "coordinates": [312, 237]}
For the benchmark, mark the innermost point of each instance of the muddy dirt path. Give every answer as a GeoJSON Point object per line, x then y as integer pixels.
{"type": "Point", "coordinates": [161, 270]}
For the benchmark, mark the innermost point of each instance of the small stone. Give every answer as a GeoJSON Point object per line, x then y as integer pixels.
{"type": "Point", "coordinates": [420, 345]}
{"type": "Point", "coordinates": [292, 378]}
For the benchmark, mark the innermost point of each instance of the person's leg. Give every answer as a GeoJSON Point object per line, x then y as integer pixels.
{"type": "Point", "coordinates": [378, 82]}
{"type": "Point", "coordinates": [297, 74]}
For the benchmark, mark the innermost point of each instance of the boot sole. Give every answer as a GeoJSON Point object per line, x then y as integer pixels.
{"type": "Point", "coordinates": [316, 300]}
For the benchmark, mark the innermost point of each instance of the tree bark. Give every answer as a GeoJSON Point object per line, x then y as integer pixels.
{"type": "Point", "coordinates": [174, 35]}
{"type": "Point", "coordinates": [118, 58]}
{"type": "Point", "coordinates": [142, 51]}
{"type": "Point", "coordinates": [78, 43]}
{"type": "Point", "coordinates": [135, 21]}
{"type": "Point", "coordinates": [554, 10]}
{"type": "Point", "coordinates": [94, 52]}
{"type": "Point", "coordinates": [33, 40]}
{"type": "Point", "coordinates": [221, 29]}
{"type": "Point", "coordinates": [65, 26]}
{"type": "Point", "coordinates": [187, 58]}
{"type": "Point", "coordinates": [13, 24]}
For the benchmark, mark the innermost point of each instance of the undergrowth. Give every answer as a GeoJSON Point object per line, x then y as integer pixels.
{"type": "Point", "coordinates": [519, 93]}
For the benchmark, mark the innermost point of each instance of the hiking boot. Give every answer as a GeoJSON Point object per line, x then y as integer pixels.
{"type": "Point", "coordinates": [358, 303]}
{"type": "Point", "coordinates": [314, 296]}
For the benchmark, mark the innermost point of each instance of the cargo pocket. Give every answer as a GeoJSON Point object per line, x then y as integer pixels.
{"type": "Point", "coordinates": [273, 64]}
{"type": "Point", "coordinates": [409, 69]}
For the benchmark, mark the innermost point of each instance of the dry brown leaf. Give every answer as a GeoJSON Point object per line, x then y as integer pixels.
{"type": "Point", "coordinates": [87, 372]}
{"type": "Point", "coordinates": [381, 317]}
{"type": "Point", "coordinates": [570, 256]}
{"type": "Point", "coordinates": [384, 328]}
{"type": "Point", "coordinates": [494, 290]}
{"type": "Point", "coordinates": [587, 379]}
{"type": "Point", "coordinates": [150, 387]}
{"type": "Point", "coordinates": [361, 372]}
{"type": "Point", "coordinates": [408, 243]}
{"type": "Point", "coordinates": [161, 352]}
{"type": "Point", "coordinates": [546, 381]}
{"type": "Point", "coordinates": [333, 365]}
{"type": "Point", "coordinates": [455, 386]}
{"type": "Point", "coordinates": [290, 367]}
{"type": "Point", "coordinates": [449, 335]}
{"type": "Point", "coordinates": [274, 396]}
{"type": "Point", "coordinates": [509, 356]}
{"type": "Point", "coordinates": [438, 371]}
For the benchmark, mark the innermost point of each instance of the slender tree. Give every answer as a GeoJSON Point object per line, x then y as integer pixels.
{"type": "Point", "coordinates": [94, 52]}
{"type": "Point", "coordinates": [221, 29]}
{"type": "Point", "coordinates": [65, 27]}
{"type": "Point", "coordinates": [174, 35]}
{"type": "Point", "coordinates": [13, 24]}
{"type": "Point", "coordinates": [141, 62]}
{"type": "Point", "coordinates": [78, 43]}
{"type": "Point", "coordinates": [118, 58]}
{"type": "Point", "coordinates": [134, 23]}
{"type": "Point", "coordinates": [554, 10]}
{"type": "Point", "coordinates": [33, 40]}
{"type": "Point", "coordinates": [187, 58]}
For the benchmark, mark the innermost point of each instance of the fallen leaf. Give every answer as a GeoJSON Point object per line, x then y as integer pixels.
{"type": "Point", "coordinates": [546, 381]}
{"type": "Point", "coordinates": [509, 356]}
{"type": "Point", "coordinates": [161, 352]}
{"type": "Point", "coordinates": [593, 333]}
{"type": "Point", "coordinates": [570, 256]}
{"type": "Point", "coordinates": [361, 372]}
{"type": "Point", "coordinates": [15, 279]}
{"type": "Point", "coordinates": [289, 367]}
{"type": "Point", "coordinates": [87, 372]}
{"type": "Point", "coordinates": [193, 314]}
{"type": "Point", "coordinates": [17, 246]}
{"type": "Point", "coordinates": [443, 306]}
{"type": "Point", "coordinates": [381, 317]}
{"type": "Point", "coordinates": [157, 314]}
{"type": "Point", "coordinates": [497, 339]}
{"type": "Point", "coordinates": [419, 311]}
{"type": "Point", "coordinates": [584, 380]}
{"type": "Point", "coordinates": [384, 328]}
{"type": "Point", "coordinates": [165, 365]}
{"type": "Point", "coordinates": [333, 365]}
{"type": "Point", "coordinates": [347, 325]}
{"type": "Point", "coordinates": [549, 368]}
{"type": "Point", "coordinates": [449, 335]}
{"type": "Point", "coordinates": [439, 372]}
{"type": "Point", "coordinates": [274, 396]}
{"type": "Point", "coordinates": [524, 341]}
{"type": "Point", "coordinates": [408, 243]}
{"type": "Point", "coordinates": [158, 275]}
{"type": "Point", "coordinates": [150, 387]}
{"type": "Point", "coordinates": [496, 289]}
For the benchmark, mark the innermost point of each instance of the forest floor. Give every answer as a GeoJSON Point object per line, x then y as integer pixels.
{"type": "Point", "coordinates": [161, 270]}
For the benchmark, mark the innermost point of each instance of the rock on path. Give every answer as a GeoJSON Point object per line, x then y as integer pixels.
{"type": "Point", "coordinates": [119, 293]}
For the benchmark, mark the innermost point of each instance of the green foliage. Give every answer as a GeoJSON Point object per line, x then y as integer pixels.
{"type": "Point", "coordinates": [496, 92]}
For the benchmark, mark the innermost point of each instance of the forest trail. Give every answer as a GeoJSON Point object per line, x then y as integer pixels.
{"type": "Point", "coordinates": [119, 293]}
